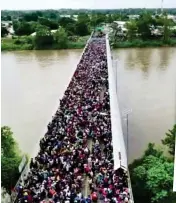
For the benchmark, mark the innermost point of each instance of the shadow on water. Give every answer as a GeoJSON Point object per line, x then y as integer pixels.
{"type": "Point", "coordinates": [45, 58]}
{"type": "Point", "coordinates": [165, 55]}
{"type": "Point", "coordinates": [139, 59]}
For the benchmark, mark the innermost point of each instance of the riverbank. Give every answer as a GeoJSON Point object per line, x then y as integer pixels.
{"type": "Point", "coordinates": [26, 43]}
{"type": "Point", "coordinates": [141, 44]}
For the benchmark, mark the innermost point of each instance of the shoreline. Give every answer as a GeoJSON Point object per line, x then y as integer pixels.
{"type": "Point", "coordinates": [9, 45]}
{"type": "Point", "coordinates": [82, 47]}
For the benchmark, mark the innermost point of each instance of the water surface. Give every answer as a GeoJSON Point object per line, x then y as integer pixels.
{"type": "Point", "coordinates": [34, 81]}
{"type": "Point", "coordinates": [32, 84]}
{"type": "Point", "coordinates": [146, 84]}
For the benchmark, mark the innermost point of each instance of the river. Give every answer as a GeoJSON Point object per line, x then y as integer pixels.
{"type": "Point", "coordinates": [34, 81]}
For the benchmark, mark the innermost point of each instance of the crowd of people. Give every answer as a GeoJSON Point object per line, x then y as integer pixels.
{"type": "Point", "coordinates": [75, 161]}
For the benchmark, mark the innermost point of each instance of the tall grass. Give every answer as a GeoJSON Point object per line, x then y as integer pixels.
{"type": "Point", "coordinates": [27, 43]}
{"type": "Point", "coordinates": [147, 43]}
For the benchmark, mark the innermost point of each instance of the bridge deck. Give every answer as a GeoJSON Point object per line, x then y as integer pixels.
{"type": "Point", "coordinates": [77, 147]}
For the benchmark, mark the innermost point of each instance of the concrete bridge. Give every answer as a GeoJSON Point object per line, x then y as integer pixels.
{"type": "Point", "coordinates": [119, 148]}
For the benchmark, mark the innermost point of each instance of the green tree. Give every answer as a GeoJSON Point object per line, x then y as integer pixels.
{"type": "Point", "coordinates": [22, 28]}
{"type": "Point", "coordinates": [70, 29]}
{"type": "Point", "coordinates": [152, 179]}
{"type": "Point", "coordinates": [100, 18]}
{"type": "Point", "coordinates": [144, 25]}
{"type": "Point", "coordinates": [131, 30]}
{"type": "Point", "coordinates": [61, 38]}
{"type": "Point", "coordinates": [109, 19]}
{"type": "Point", "coordinates": [43, 38]}
{"type": "Point", "coordinates": [52, 24]}
{"type": "Point", "coordinates": [166, 29]}
{"type": "Point", "coordinates": [83, 17]}
{"type": "Point", "coordinates": [65, 21]}
{"type": "Point", "coordinates": [159, 178]}
{"type": "Point", "coordinates": [152, 174]}
{"type": "Point", "coordinates": [53, 16]}
{"type": "Point", "coordinates": [170, 140]}
{"type": "Point", "coordinates": [9, 172]}
{"type": "Point", "coordinates": [8, 144]}
{"type": "Point", "coordinates": [82, 28]}
{"type": "Point", "coordinates": [33, 16]}
{"type": "Point", "coordinates": [9, 18]}
{"type": "Point", "coordinates": [10, 159]}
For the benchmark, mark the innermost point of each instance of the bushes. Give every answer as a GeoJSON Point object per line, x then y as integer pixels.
{"type": "Point", "coordinates": [140, 43]}
{"type": "Point", "coordinates": [58, 41]}
{"type": "Point", "coordinates": [10, 157]}
{"type": "Point", "coordinates": [20, 43]}
{"type": "Point", "coordinates": [152, 174]}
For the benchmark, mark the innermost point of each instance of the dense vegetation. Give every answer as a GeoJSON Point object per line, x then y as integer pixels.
{"type": "Point", "coordinates": [152, 174]}
{"type": "Point", "coordinates": [146, 30]}
{"type": "Point", "coordinates": [50, 13]}
{"type": "Point", "coordinates": [10, 159]}
{"type": "Point", "coordinates": [59, 29]}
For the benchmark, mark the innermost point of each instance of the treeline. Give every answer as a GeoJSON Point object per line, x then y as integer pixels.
{"type": "Point", "coordinates": [10, 159]}
{"type": "Point", "coordinates": [10, 14]}
{"type": "Point", "coordinates": [49, 32]}
{"type": "Point", "coordinates": [32, 22]}
{"type": "Point", "coordinates": [152, 174]}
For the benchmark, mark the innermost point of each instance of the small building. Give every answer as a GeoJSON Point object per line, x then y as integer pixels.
{"type": "Point", "coordinates": [122, 26]}
{"type": "Point", "coordinates": [133, 17]}
{"type": "Point", "coordinates": [172, 17]}
{"type": "Point", "coordinates": [52, 31]}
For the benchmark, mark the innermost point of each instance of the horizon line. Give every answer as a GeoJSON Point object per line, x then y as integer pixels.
{"type": "Point", "coordinates": [42, 9]}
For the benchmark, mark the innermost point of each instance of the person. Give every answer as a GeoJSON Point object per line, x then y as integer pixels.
{"type": "Point", "coordinates": [94, 196]}
{"type": "Point", "coordinates": [57, 172]}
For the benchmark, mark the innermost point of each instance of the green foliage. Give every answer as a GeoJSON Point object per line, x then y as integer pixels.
{"type": "Point", "coordinates": [8, 144]}
{"type": "Point", "coordinates": [78, 42]}
{"type": "Point", "coordinates": [61, 38]}
{"type": "Point", "coordinates": [65, 21]}
{"type": "Point", "coordinates": [152, 175]}
{"type": "Point", "coordinates": [82, 29]}
{"type": "Point", "coordinates": [131, 30]}
{"type": "Point", "coordinates": [28, 43]}
{"type": "Point", "coordinates": [97, 19]}
{"type": "Point", "coordinates": [143, 24]}
{"type": "Point", "coordinates": [43, 38]}
{"type": "Point", "coordinates": [82, 25]}
{"type": "Point", "coordinates": [166, 29]}
{"type": "Point", "coordinates": [10, 158]}
{"type": "Point", "coordinates": [9, 172]}
{"type": "Point", "coordinates": [147, 43]}
{"type": "Point", "coordinates": [6, 18]}
{"type": "Point", "coordinates": [23, 28]}
{"type": "Point", "coordinates": [52, 24]}
{"type": "Point", "coordinates": [169, 140]}
{"type": "Point", "coordinates": [17, 43]}
{"type": "Point", "coordinates": [70, 29]}
{"type": "Point", "coordinates": [31, 16]}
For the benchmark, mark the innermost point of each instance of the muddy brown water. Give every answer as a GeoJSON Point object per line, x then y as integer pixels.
{"type": "Point", "coordinates": [34, 81]}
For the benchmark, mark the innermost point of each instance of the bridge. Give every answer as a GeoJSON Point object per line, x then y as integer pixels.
{"type": "Point", "coordinates": [82, 156]}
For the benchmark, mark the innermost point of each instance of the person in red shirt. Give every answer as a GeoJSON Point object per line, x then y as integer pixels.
{"type": "Point", "coordinates": [94, 197]}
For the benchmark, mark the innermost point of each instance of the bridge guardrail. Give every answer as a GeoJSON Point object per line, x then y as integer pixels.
{"type": "Point", "coordinates": [114, 105]}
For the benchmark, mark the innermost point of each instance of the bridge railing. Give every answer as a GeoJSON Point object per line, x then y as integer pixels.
{"type": "Point", "coordinates": [119, 149]}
